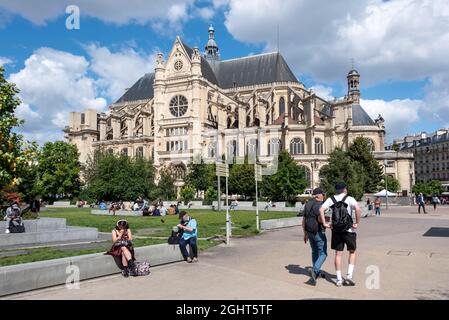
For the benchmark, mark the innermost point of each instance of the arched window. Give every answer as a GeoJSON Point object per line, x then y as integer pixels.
{"type": "Point", "coordinates": [319, 146]}
{"type": "Point", "coordinates": [251, 149]}
{"type": "Point", "coordinates": [267, 119]}
{"type": "Point", "coordinates": [229, 122]}
{"type": "Point", "coordinates": [211, 150]}
{"type": "Point", "coordinates": [139, 153]}
{"type": "Point", "coordinates": [231, 149]}
{"type": "Point", "coordinates": [281, 106]}
{"type": "Point", "coordinates": [248, 121]}
{"type": "Point", "coordinates": [139, 126]}
{"type": "Point", "coordinates": [109, 136]}
{"type": "Point", "coordinates": [297, 146]}
{"type": "Point", "coordinates": [124, 152]}
{"type": "Point", "coordinates": [179, 172]}
{"type": "Point", "coordinates": [178, 106]}
{"type": "Point", "coordinates": [308, 176]}
{"type": "Point", "coordinates": [274, 146]}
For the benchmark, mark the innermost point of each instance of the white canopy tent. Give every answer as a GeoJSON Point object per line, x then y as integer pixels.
{"type": "Point", "coordinates": [385, 193]}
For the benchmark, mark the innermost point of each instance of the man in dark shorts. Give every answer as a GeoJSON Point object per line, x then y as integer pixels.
{"type": "Point", "coordinates": [347, 237]}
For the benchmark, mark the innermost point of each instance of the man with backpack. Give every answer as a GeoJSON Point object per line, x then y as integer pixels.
{"type": "Point", "coordinates": [315, 233]}
{"type": "Point", "coordinates": [344, 210]}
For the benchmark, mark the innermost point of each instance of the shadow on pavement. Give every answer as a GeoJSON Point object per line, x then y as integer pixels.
{"type": "Point", "coordinates": [297, 269]}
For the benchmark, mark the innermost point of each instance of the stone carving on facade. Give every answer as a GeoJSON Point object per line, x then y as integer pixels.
{"type": "Point", "coordinates": [160, 60]}
{"type": "Point", "coordinates": [380, 122]}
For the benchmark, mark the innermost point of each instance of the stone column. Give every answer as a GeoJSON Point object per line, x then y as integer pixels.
{"type": "Point", "coordinates": [102, 129]}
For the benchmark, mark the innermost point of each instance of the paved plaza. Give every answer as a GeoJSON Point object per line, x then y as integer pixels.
{"type": "Point", "coordinates": [413, 263]}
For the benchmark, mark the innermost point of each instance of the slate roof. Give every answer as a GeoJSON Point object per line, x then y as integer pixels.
{"type": "Point", "coordinates": [247, 71]}
{"type": "Point", "coordinates": [142, 89]}
{"type": "Point", "coordinates": [360, 117]}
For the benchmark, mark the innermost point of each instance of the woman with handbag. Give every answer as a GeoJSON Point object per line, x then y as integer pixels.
{"type": "Point", "coordinates": [122, 246]}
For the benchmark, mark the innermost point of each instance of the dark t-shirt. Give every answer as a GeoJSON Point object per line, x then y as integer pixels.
{"type": "Point", "coordinates": [312, 207]}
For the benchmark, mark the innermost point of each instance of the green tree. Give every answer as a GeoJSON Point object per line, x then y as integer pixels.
{"type": "Point", "coordinates": [393, 184]}
{"type": "Point", "coordinates": [359, 151]}
{"type": "Point", "coordinates": [429, 188]}
{"type": "Point", "coordinates": [201, 175]}
{"type": "Point", "coordinates": [210, 196]}
{"type": "Point", "coordinates": [241, 179]}
{"type": "Point", "coordinates": [11, 155]}
{"type": "Point", "coordinates": [165, 189]}
{"type": "Point", "coordinates": [187, 194]}
{"type": "Point", "coordinates": [287, 182]}
{"type": "Point", "coordinates": [111, 177]}
{"type": "Point", "coordinates": [58, 170]}
{"type": "Point", "coordinates": [341, 168]}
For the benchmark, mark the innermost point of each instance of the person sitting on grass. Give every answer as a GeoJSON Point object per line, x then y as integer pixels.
{"type": "Point", "coordinates": [122, 246]}
{"type": "Point", "coordinates": [188, 226]}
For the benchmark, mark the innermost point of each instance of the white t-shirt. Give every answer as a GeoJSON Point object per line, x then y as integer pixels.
{"type": "Point", "coordinates": [352, 205]}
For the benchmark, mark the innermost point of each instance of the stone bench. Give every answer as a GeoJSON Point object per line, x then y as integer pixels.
{"type": "Point", "coordinates": [42, 237]}
{"type": "Point", "coordinates": [117, 213]}
{"type": "Point", "coordinates": [39, 225]}
{"type": "Point", "coordinates": [280, 223]}
{"type": "Point", "coordinates": [43, 274]}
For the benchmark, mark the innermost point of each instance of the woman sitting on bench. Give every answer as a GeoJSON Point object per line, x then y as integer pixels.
{"type": "Point", "coordinates": [13, 214]}
{"type": "Point", "coordinates": [122, 246]}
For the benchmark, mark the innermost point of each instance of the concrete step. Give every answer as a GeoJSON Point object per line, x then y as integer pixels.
{"type": "Point", "coordinates": [33, 238]}
{"type": "Point", "coordinates": [39, 225]}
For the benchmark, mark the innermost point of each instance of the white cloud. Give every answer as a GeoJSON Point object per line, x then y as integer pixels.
{"type": "Point", "coordinates": [52, 84]}
{"type": "Point", "coordinates": [205, 13]}
{"type": "Point", "coordinates": [118, 71]}
{"type": "Point", "coordinates": [323, 92]}
{"type": "Point", "coordinates": [4, 61]}
{"type": "Point", "coordinates": [400, 115]}
{"type": "Point", "coordinates": [114, 11]}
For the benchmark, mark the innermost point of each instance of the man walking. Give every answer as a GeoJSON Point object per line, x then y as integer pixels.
{"type": "Point", "coordinates": [344, 210]}
{"type": "Point", "coordinates": [315, 233]}
{"type": "Point", "coordinates": [421, 203]}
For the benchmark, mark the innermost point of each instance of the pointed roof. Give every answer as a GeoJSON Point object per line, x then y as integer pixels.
{"type": "Point", "coordinates": [141, 90]}
{"type": "Point", "coordinates": [252, 70]}
{"type": "Point", "coordinates": [360, 117]}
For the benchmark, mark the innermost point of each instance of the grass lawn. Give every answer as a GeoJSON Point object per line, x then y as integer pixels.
{"type": "Point", "coordinates": [210, 223]}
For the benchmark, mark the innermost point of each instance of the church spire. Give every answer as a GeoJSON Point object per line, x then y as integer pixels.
{"type": "Point", "coordinates": [211, 46]}
{"type": "Point", "coordinates": [354, 84]}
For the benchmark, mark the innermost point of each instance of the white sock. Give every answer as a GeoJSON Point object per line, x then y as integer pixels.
{"type": "Point", "coordinates": [350, 270]}
{"type": "Point", "coordinates": [339, 278]}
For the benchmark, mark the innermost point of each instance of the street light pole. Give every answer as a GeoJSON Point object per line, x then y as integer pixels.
{"type": "Point", "coordinates": [386, 185]}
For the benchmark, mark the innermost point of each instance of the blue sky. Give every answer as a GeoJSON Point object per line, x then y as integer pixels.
{"type": "Point", "coordinates": [403, 64]}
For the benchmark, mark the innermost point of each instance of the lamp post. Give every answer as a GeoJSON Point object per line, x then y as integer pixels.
{"type": "Point", "coordinates": [386, 184]}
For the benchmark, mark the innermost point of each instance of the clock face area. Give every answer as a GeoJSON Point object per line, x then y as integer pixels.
{"type": "Point", "coordinates": [178, 65]}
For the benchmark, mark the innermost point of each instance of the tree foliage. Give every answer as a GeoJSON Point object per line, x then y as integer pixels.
{"type": "Point", "coordinates": [58, 170]}
{"type": "Point", "coordinates": [11, 153]}
{"type": "Point", "coordinates": [341, 168]}
{"type": "Point", "coordinates": [111, 177]}
{"type": "Point", "coordinates": [166, 189]}
{"type": "Point", "coordinates": [430, 188]}
{"type": "Point", "coordinates": [201, 175]}
{"type": "Point", "coordinates": [393, 184]}
{"type": "Point", "coordinates": [359, 151]}
{"type": "Point", "coordinates": [287, 182]}
{"type": "Point", "coordinates": [242, 180]}
{"type": "Point", "coordinates": [187, 194]}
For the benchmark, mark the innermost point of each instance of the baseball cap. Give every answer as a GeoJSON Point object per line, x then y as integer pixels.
{"type": "Point", "coordinates": [317, 191]}
{"type": "Point", "coordinates": [339, 186]}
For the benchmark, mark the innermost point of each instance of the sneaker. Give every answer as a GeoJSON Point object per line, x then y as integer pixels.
{"type": "Point", "coordinates": [339, 283]}
{"type": "Point", "coordinates": [349, 282]}
{"type": "Point", "coordinates": [313, 275]}
{"type": "Point", "coordinates": [195, 260]}
{"type": "Point", "coordinates": [125, 273]}
{"type": "Point", "coordinates": [7, 231]}
{"type": "Point", "coordinates": [189, 260]}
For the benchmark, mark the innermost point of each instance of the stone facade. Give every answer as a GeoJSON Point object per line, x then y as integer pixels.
{"type": "Point", "coordinates": [198, 105]}
{"type": "Point", "coordinates": [431, 154]}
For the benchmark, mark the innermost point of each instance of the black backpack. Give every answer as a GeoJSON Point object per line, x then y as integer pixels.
{"type": "Point", "coordinates": [311, 220]}
{"type": "Point", "coordinates": [17, 226]}
{"type": "Point", "coordinates": [341, 219]}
